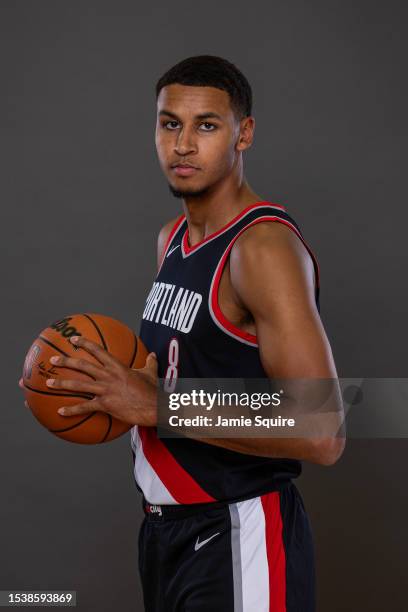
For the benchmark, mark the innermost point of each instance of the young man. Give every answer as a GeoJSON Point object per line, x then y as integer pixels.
{"type": "Point", "coordinates": [225, 527]}
{"type": "Point", "coordinates": [258, 317]}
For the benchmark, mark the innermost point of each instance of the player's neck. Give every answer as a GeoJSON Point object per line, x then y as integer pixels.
{"type": "Point", "coordinates": [212, 212]}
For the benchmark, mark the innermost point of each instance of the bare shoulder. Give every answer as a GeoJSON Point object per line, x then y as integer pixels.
{"type": "Point", "coordinates": [267, 236]}
{"type": "Point", "coordinates": [164, 235]}
{"type": "Point", "coordinates": [274, 249]}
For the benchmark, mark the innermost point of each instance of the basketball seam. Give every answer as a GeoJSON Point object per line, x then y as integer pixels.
{"type": "Point", "coordinates": [53, 346]}
{"type": "Point", "coordinates": [83, 395]}
{"type": "Point", "coordinates": [109, 428]}
{"type": "Point", "coordinates": [63, 353]}
{"type": "Point", "coordinates": [134, 352]}
{"type": "Point", "coordinates": [98, 330]}
{"type": "Point", "coordinates": [73, 426]}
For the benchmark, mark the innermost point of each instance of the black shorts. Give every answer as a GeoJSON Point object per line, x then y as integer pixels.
{"type": "Point", "coordinates": [249, 556]}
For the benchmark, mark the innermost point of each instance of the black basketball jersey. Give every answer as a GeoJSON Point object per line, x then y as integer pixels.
{"type": "Point", "coordinates": [183, 324]}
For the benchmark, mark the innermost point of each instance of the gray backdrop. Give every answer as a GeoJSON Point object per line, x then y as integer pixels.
{"type": "Point", "coordinates": [82, 200]}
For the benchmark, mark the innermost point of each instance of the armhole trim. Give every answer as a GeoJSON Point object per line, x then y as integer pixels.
{"type": "Point", "coordinates": [215, 311]}
{"type": "Point", "coordinates": [170, 237]}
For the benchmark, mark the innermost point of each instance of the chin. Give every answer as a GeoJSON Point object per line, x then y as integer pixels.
{"type": "Point", "coordinates": [187, 192]}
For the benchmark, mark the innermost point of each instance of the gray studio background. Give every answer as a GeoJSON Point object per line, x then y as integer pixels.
{"type": "Point", "coordinates": [82, 199]}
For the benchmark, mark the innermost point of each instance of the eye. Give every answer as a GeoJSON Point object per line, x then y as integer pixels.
{"type": "Point", "coordinates": [209, 127]}
{"type": "Point", "coordinates": [171, 125]}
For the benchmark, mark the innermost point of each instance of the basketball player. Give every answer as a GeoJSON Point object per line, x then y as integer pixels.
{"type": "Point", "coordinates": [225, 527]}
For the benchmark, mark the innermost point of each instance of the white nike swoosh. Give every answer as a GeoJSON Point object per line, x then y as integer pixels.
{"type": "Point", "coordinates": [198, 544]}
{"type": "Point", "coordinates": [172, 249]}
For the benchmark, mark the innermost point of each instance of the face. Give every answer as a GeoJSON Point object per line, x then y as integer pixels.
{"type": "Point", "coordinates": [197, 137]}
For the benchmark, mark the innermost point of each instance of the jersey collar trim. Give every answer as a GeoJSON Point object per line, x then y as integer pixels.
{"type": "Point", "coordinates": [188, 250]}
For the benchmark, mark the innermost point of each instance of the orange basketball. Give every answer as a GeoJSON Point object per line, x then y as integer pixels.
{"type": "Point", "coordinates": [110, 334]}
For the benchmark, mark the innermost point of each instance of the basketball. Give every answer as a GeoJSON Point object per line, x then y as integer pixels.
{"type": "Point", "coordinates": [112, 335]}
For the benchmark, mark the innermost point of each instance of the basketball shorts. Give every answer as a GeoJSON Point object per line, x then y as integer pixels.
{"type": "Point", "coordinates": [249, 556]}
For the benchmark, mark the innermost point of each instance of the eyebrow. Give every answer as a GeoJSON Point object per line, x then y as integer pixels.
{"type": "Point", "coordinates": [209, 115]}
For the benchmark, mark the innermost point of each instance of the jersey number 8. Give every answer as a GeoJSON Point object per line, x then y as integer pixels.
{"type": "Point", "coordinates": [172, 369]}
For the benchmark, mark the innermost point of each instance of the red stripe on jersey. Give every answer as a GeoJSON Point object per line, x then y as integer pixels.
{"type": "Point", "coordinates": [170, 237]}
{"type": "Point", "coordinates": [177, 481]}
{"type": "Point", "coordinates": [275, 551]}
{"type": "Point", "coordinates": [236, 331]}
{"type": "Point", "coordinates": [188, 249]}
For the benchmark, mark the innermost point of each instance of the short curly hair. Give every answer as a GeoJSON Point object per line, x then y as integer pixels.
{"type": "Point", "coordinates": [212, 71]}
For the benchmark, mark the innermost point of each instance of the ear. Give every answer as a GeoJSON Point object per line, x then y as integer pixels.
{"type": "Point", "coordinates": [246, 133]}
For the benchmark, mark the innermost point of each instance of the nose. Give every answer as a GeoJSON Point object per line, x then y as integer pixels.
{"type": "Point", "coordinates": [185, 144]}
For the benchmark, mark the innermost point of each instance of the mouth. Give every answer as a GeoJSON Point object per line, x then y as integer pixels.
{"type": "Point", "coordinates": [184, 169]}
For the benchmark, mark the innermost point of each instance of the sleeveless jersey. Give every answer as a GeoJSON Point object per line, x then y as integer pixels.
{"type": "Point", "coordinates": [183, 324]}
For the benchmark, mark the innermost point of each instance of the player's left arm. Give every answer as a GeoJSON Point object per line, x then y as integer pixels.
{"type": "Point", "coordinates": [272, 275]}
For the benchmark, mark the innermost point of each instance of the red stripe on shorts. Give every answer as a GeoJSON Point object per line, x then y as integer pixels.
{"type": "Point", "coordinates": [275, 551]}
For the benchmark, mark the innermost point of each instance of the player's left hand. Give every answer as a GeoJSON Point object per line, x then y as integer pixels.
{"type": "Point", "coordinates": [129, 395]}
